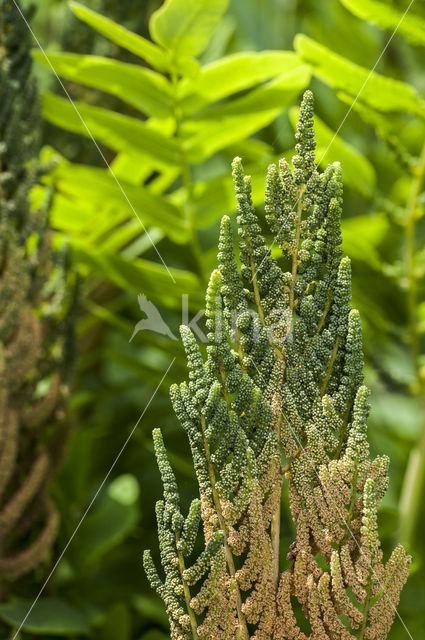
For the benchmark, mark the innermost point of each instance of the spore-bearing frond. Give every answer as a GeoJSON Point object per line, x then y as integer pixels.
{"type": "Point", "coordinates": [279, 400]}
{"type": "Point", "coordinates": [37, 305]}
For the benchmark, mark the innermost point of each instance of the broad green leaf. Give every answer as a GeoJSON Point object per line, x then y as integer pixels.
{"type": "Point", "coordinates": [72, 217]}
{"type": "Point", "coordinates": [236, 72]}
{"type": "Point", "coordinates": [389, 17]}
{"type": "Point", "coordinates": [142, 88]}
{"type": "Point", "coordinates": [141, 276]}
{"type": "Point", "coordinates": [226, 124]}
{"type": "Point", "coordinates": [123, 37]}
{"type": "Point", "coordinates": [98, 186]}
{"type": "Point", "coordinates": [357, 170]}
{"type": "Point", "coordinates": [184, 27]}
{"type": "Point", "coordinates": [126, 166]}
{"type": "Point", "coordinates": [277, 93]}
{"type": "Point", "coordinates": [49, 617]}
{"type": "Point", "coordinates": [213, 135]}
{"type": "Point", "coordinates": [117, 131]}
{"type": "Point", "coordinates": [378, 91]}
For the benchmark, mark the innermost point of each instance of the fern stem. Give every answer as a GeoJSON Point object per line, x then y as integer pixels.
{"type": "Point", "coordinates": [325, 312]}
{"type": "Point", "coordinates": [330, 366]}
{"type": "Point", "coordinates": [275, 524]}
{"type": "Point", "coordinates": [295, 252]}
{"type": "Point", "coordinates": [193, 622]}
{"type": "Point", "coordinates": [256, 291]}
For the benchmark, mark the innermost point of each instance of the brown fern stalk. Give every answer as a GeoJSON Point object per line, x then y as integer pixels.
{"type": "Point", "coordinates": [35, 323]}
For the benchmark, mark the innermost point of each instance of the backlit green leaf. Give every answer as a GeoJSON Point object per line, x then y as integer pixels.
{"type": "Point", "coordinates": [226, 124]}
{"type": "Point", "coordinates": [389, 17]}
{"type": "Point", "coordinates": [117, 131]}
{"type": "Point", "coordinates": [142, 88]}
{"type": "Point", "coordinates": [185, 26]}
{"type": "Point", "coordinates": [277, 93]}
{"type": "Point", "coordinates": [98, 186]}
{"type": "Point", "coordinates": [234, 73]}
{"type": "Point", "coordinates": [380, 92]}
{"type": "Point", "coordinates": [121, 36]}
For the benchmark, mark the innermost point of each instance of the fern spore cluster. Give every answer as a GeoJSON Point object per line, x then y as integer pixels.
{"type": "Point", "coordinates": [280, 399]}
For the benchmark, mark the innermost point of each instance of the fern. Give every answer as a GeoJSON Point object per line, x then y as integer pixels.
{"type": "Point", "coordinates": [35, 322]}
{"type": "Point", "coordinates": [279, 400]}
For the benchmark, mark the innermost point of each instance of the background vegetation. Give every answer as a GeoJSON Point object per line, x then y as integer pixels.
{"type": "Point", "coordinates": [169, 125]}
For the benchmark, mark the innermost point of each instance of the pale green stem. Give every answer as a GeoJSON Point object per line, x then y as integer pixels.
{"type": "Point", "coordinates": [193, 622]}
{"type": "Point", "coordinates": [295, 253]}
{"type": "Point", "coordinates": [325, 312]}
{"type": "Point", "coordinates": [330, 366]}
{"type": "Point", "coordinates": [275, 524]}
{"type": "Point", "coordinates": [255, 285]}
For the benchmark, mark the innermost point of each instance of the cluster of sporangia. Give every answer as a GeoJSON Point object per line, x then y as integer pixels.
{"type": "Point", "coordinates": [34, 330]}
{"type": "Point", "coordinates": [280, 398]}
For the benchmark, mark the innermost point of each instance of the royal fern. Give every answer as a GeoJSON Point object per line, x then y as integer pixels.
{"type": "Point", "coordinates": [279, 400]}
{"type": "Point", "coordinates": [35, 321]}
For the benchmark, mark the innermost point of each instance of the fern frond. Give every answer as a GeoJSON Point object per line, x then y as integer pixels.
{"type": "Point", "coordinates": [280, 400]}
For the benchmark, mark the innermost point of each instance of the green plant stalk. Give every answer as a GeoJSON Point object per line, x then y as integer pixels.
{"type": "Point", "coordinates": [414, 479]}
{"type": "Point", "coordinates": [193, 622]}
{"type": "Point", "coordinates": [295, 253]}
{"type": "Point", "coordinates": [275, 524]}
{"type": "Point", "coordinates": [330, 366]}
{"type": "Point", "coordinates": [187, 180]}
{"type": "Point", "coordinates": [255, 288]}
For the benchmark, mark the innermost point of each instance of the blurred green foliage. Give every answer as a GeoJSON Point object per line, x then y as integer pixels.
{"type": "Point", "coordinates": [169, 115]}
